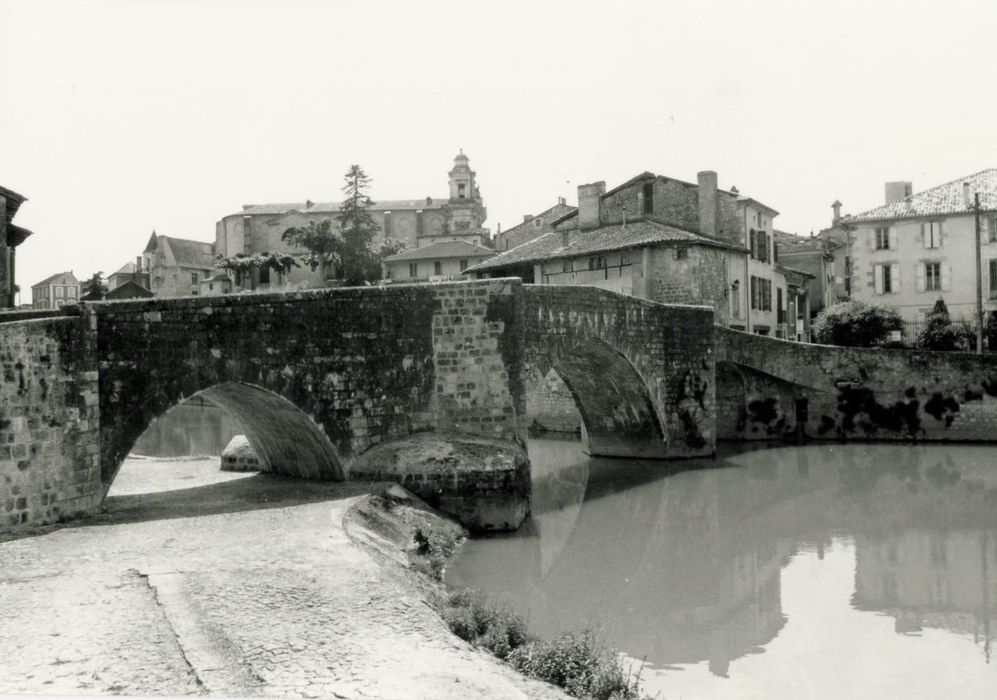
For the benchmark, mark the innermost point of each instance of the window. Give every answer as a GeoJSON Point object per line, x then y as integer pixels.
{"type": "Point", "coordinates": [60, 292]}
{"type": "Point", "coordinates": [264, 275]}
{"type": "Point", "coordinates": [193, 278]}
{"type": "Point", "coordinates": [882, 239]}
{"type": "Point", "coordinates": [463, 265]}
{"type": "Point", "coordinates": [211, 286]}
{"type": "Point", "coordinates": [461, 191]}
{"type": "Point", "coordinates": [931, 233]}
{"type": "Point", "coordinates": [648, 192]}
{"type": "Point", "coordinates": [72, 292]}
{"type": "Point", "coordinates": [538, 222]}
{"type": "Point", "coordinates": [761, 294]}
{"type": "Point", "coordinates": [567, 266]}
{"type": "Point", "coordinates": [437, 267]}
{"type": "Point", "coordinates": [597, 262]}
{"type": "Point", "coordinates": [993, 278]}
{"type": "Point", "coordinates": [992, 230]}
{"type": "Point", "coordinates": [932, 277]}
{"type": "Point", "coordinates": [780, 312]}
{"type": "Point", "coordinates": [413, 269]}
{"type": "Point", "coordinates": [759, 245]}
{"type": "Point", "coordinates": [681, 253]}
{"type": "Point", "coordinates": [886, 278]}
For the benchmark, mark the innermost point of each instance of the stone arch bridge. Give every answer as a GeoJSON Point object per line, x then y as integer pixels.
{"type": "Point", "coordinates": [319, 377]}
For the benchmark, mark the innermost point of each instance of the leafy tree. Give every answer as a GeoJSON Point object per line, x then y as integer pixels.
{"type": "Point", "coordinates": [94, 289]}
{"type": "Point", "coordinates": [244, 265]}
{"type": "Point", "coordinates": [855, 323]}
{"type": "Point", "coordinates": [324, 245]}
{"type": "Point", "coordinates": [359, 264]}
{"type": "Point", "coordinates": [939, 333]}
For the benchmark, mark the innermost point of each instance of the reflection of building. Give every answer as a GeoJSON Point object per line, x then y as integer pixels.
{"type": "Point", "coordinates": [11, 236]}
{"type": "Point", "coordinates": [934, 578]}
{"type": "Point", "coordinates": [56, 291]}
{"type": "Point", "coordinates": [665, 240]}
{"type": "Point", "coordinates": [436, 262]}
{"type": "Point", "coordinates": [418, 222]}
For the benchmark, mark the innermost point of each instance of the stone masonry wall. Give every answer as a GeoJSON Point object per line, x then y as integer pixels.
{"type": "Point", "coordinates": [551, 407]}
{"type": "Point", "coordinates": [853, 393]}
{"type": "Point", "coordinates": [364, 364]}
{"type": "Point", "coordinates": [49, 428]}
{"type": "Point", "coordinates": [624, 358]}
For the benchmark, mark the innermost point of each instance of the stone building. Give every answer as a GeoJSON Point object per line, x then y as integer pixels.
{"type": "Point", "coordinates": [11, 236]}
{"type": "Point", "coordinates": [667, 240]}
{"type": "Point", "coordinates": [176, 266]}
{"type": "Point", "coordinates": [419, 222]}
{"type": "Point", "coordinates": [917, 248]}
{"type": "Point", "coordinates": [813, 256]}
{"type": "Point", "coordinates": [55, 291]}
{"type": "Point", "coordinates": [533, 226]}
{"type": "Point", "coordinates": [129, 272]}
{"type": "Point", "coordinates": [434, 263]}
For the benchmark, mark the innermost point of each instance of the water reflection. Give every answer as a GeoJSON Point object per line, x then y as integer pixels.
{"type": "Point", "coordinates": [691, 568]}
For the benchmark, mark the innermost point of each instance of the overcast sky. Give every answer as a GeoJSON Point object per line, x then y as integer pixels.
{"type": "Point", "coordinates": [119, 117]}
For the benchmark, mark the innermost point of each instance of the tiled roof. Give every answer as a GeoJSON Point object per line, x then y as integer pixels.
{"type": "Point", "coordinates": [633, 234]}
{"type": "Point", "coordinates": [559, 211]}
{"type": "Point", "coordinates": [446, 249]}
{"type": "Point", "coordinates": [70, 278]}
{"type": "Point", "coordinates": [129, 290]}
{"type": "Point", "coordinates": [126, 269]}
{"type": "Point", "coordinates": [791, 243]}
{"type": "Point", "coordinates": [943, 199]}
{"type": "Point", "coordinates": [333, 207]}
{"type": "Point", "coordinates": [189, 253]}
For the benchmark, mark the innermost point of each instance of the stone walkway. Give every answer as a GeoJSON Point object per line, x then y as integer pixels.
{"type": "Point", "coordinates": [249, 587]}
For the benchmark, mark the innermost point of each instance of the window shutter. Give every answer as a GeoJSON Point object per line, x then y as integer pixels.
{"type": "Point", "coordinates": [894, 276]}
{"type": "Point", "coordinates": [878, 274]}
{"type": "Point", "coordinates": [926, 235]}
{"type": "Point", "coordinates": [993, 276]}
{"type": "Point", "coordinates": [946, 277]}
{"type": "Point", "coordinates": [992, 224]}
{"type": "Point", "coordinates": [751, 242]}
{"type": "Point", "coordinates": [941, 234]}
{"type": "Point", "coordinates": [893, 239]}
{"type": "Point", "coordinates": [919, 283]}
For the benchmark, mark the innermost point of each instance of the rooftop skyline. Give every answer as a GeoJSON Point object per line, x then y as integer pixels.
{"type": "Point", "coordinates": [121, 118]}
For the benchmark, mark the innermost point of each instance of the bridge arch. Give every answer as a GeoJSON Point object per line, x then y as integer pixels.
{"type": "Point", "coordinates": [619, 418]}
{"type": "Point", "coordinates": [286, 440]}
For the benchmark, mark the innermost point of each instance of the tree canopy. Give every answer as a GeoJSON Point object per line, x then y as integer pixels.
{"type": "Point", "coordinates": [358, 261]}
{"type": "Point", "coordinates": [855, 323]}
{"type": "Point", "coordinates": [94, 289]}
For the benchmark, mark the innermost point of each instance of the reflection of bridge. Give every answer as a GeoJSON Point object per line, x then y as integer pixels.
{"type": "Point", "coordinates": [316, 378]}
{"type": "Point", "coordinates": [688, 568]}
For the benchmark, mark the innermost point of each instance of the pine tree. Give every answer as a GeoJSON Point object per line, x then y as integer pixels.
{"type": "Point", "coordinates": [359, 264]}
{"type": "Point", "coordinates": [94, 288]}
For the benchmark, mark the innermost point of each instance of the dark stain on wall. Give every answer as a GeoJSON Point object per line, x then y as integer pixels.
{"type": "Point", "coordinates": [942, 408]}
{"type": "Point", "coordinates": [861, 411]}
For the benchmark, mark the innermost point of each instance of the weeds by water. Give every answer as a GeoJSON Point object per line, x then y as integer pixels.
{"type": "Point", "coordinates": [579, 663]}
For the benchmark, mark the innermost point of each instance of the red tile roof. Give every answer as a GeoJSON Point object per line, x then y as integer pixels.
{"type": "Point", "coordinates": [943, 199]}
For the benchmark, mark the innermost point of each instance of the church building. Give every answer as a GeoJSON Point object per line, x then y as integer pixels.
{"type": "Point", "coordinates": [460, 216]}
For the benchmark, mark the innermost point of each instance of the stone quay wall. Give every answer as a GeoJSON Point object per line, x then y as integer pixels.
{"type": "Point", "coordinates": [771, 388]}
{"type": "Point", "coordinates": [551, 407]}
{"type": "Point", "coordinates": [49, 422]}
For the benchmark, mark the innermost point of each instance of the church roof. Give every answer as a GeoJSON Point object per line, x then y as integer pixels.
{"type": "Point", "coordinates": [333, 207]}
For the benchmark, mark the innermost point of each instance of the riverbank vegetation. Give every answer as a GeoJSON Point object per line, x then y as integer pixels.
{"type": "Point", "coordinates": [577, 662]}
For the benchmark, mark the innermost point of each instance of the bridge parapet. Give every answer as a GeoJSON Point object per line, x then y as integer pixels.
{"type": "Point", "coordinates": [769, 387]}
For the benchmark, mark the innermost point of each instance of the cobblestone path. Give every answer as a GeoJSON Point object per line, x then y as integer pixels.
{"type": "Point", "coordinates": [271, 598]}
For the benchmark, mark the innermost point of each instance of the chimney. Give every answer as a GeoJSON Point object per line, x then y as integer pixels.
{"type": "Point", "coordinates": [895, 191]}
{"type": "Point", "coordinates": [138, 263]}
{"type": "Point", "coordinates": [837, 212]}
{"type": "Point", "coordinates": [967, 200]}
{"type": "Point", "coordinates": [560, 200]}
{"type": "Point", "coordinates": [590, 204]}
{"type": "Point", "coordinates": [527, 217]}
{"type": "Point", "coordinates": [308, 204]}
{"type": "Point", "coordinates": [707, 202]}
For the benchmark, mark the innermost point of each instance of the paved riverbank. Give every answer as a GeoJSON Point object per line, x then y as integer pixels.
{"type": "Point", "coordinates": [247, 586]}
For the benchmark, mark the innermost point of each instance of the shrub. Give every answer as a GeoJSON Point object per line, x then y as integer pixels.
{"type": "Point", "coordinates": [855, 323]}
{"type": "Point", "coordinates": [473, 618]}
{"type": "Point", "coordinates": [939, 333]}
{"type": "Point", "coordinates": [579, 664]}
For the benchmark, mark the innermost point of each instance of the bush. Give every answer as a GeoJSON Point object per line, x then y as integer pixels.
{"type": "Point", "coordinates": [579, 664]}
{"type": "Point", "coordinates": [939, 333]}
{"type": "Point", "coordinates": [473, 618]}
{"type": "Point", "coordinates": [855, 323]}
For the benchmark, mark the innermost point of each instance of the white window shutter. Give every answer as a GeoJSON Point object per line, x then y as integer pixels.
{"type": "Point", "coordinates": [946, 277]}
{"type": "Point", "coordinates": [919, 282]}
{"type": "Point", "coordinates": [893, 238]}
{"type": "Point", "coordinates": [926, 235]}
{"type": "Point", "coordinates": [879, 278]}
{"type": "Point", "coordinates": [894, 275]}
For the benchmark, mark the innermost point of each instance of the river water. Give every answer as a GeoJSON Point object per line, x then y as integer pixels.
{"type": "Point", "coordinates": [818, 571]}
